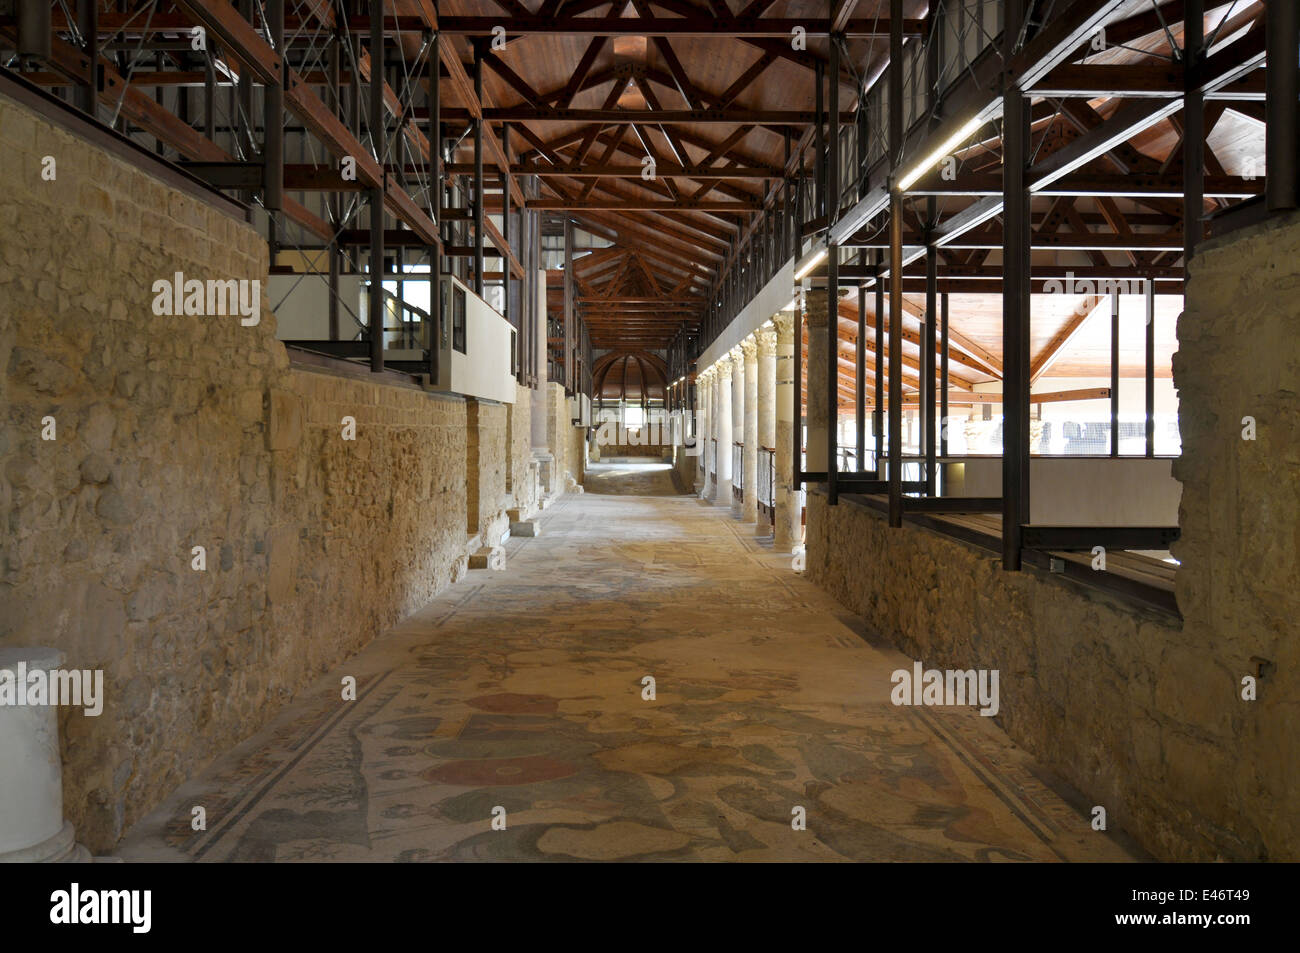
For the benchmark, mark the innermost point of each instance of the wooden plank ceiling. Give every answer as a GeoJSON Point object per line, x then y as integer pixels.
{"type": "Point", "coordinates": [672, 233]}
{"type": "Point", "coordinates": [674, 226]}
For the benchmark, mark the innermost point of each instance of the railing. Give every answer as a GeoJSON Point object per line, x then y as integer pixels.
{"type": "Point", "coordinates": [738, 471]}
{"type": "Point", "coordinates": [968, 37]}
{"type": "Point", "coordinates": [767, 482]}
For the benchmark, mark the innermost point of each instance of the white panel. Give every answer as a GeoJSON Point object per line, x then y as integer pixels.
{"type": "Point", "coordinates": [302, 305]}
{"type": "Point", "coordinates": [483, 370]}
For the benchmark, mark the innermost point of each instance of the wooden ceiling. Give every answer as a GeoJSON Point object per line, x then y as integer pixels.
{"type": "Point", "coordinates": [674, 225]}
{"type": "Point", "coordinates": [674, 232]}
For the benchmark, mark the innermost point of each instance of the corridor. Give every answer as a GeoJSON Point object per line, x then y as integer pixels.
{"type": "Point", "coordinates": [522, 691]}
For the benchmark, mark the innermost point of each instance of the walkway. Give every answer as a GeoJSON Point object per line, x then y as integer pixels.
{"type": "Point", "coordinates": [522, 690]}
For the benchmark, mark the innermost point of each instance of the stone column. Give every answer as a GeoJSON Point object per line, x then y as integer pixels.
{"type": "Point", "coordinates": [749, 509]}
{"type": "Point", "coordinates": [819, 414]}
{"type": "Point", "coordinates": [737, 421]}
{"type": "Point", "coordinates": [786, 532]}
{"type": "Point", "coordinates": [703, 397]}
{"type": "Point", "coordinates": [32, 828]}
{"type": "Point", "coordinates": [722, 492]}
{"type": "Point", "coordinates": [765, 371]}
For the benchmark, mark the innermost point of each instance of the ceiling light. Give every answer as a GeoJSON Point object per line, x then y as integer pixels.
{"type": "Point", "coordinates": [930, 161]}
{"type": "Point", "coordinates": [810, 264]}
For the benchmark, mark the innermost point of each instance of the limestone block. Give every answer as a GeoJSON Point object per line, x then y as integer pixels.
{"type": "Point", "coordinates": [488, 557]}
{"type": "Point", "coordinates": [280, 586]}
{"type": "Point", "coordinates": [284, 429]}
{"type": "Point", "coordinates": [528, 528]}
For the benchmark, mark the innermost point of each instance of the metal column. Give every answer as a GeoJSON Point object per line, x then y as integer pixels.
{"type": "Point", "coordinates": [860, 377]}
{"type": "Point", "coordinates": [819, 145]}
{"type": "Point", "coordinates": [943, 376]}
{"type": "Point", "coordinates": [1281, 110]}
{"type": "Point", "coordinates": [796, 431]}
{"type": "Point", "coordinates": [1016, 289]}
{"type": "Point", "coordinates": [1114, 374]}
{"type": "Point", "coordinates": [1151, 367]}
{"type": "Point", "coordinates": [1015, 326]}
{"type": "Point", "coordinates": [434, 135]}
{"type": "Point", "coordinates": [568, 305]}
{"type": "Point", "coordinates": [878, 406]}
{"type": "Point", "coordinates": [833, 284]}
{"type": "Point", "coordinates": [928, 347]}
{"type": "Point", "coordinates": [1193, 128]}
{"type": "Point", "coordinates": [273, 121]}
{"type": "Point", "coordinates": [88, 27]}
{"type": "Point", "coordinates": [377, 125]}
{"type": "Point", "coordinates": [895, 265]}
{"type": "Point", "coordinates": [478, 173]}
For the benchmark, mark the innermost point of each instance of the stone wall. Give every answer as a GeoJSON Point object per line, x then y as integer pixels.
{"type": "Point", "coordinates": [176, 432]}
{"type": "Point", "coordinates": [1239, 583]}
{"type": "Point", "coordinates": [1140, 712]}
{"type": "Point", "coordinates": [521, 465]}
{"type": "Point", "coordinates": [485, 470]}
{"type": "Point", "coordinates": [566, 442]}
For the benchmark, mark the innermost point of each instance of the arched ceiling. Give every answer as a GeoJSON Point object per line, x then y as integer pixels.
{"type": "Point", "coordinates": [636, 376]}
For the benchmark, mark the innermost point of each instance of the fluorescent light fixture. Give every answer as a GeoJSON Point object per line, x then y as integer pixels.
{"type": "Point", "coordinates": [810, 264]}
{"type": "Point", "coordinates": [930, 161]}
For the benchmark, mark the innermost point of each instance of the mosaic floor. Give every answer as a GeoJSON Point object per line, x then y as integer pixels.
{"type": "Point", "coordinates": [515, 701]}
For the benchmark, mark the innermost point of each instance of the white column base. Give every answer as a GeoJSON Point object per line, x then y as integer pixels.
{"type": "Point", "coordinates": [62, 848]}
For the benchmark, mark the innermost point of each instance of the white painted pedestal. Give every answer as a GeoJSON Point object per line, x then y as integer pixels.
{"type": "Point", "coordinates": [32, 829]}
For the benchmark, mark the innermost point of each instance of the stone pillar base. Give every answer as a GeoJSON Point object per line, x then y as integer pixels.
{"type": "Point", "coordinates": [62, 848]}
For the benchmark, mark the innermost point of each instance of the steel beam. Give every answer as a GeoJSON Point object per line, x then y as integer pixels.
{"type": "Point", "coordinates": [704, 26]}
{"type": "Point", "coordinates": [1193, 128]}
{"type": "Point", "coordinates": [1015, 315]}
{"type": "Point", "coordinates": [1283, 107]}
{"type": "Point", "coordinates": [1114, 375]}
{"type": "Point", "coordinates": [895, 472]}
{"type": "Point", "coordinates": [943, 378]}
{"type": "Point", "coordinates": [1084, 538]}
{"type": "Point", "coordinates": [1150, 369]}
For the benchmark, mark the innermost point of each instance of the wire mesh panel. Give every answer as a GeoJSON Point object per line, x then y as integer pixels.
{"type": "Point", "coordinates": [767, 481]}
{"type": "Point", "coordinates": [738, 470]}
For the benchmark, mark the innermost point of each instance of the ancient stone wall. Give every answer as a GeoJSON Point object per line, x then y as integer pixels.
{"type": "Point", "coordinates": [485, 473]}
{"type": "Point", "coordinates": [566, 442]}
{"type": "Point", "coordinates": [1237, 371]}
{"type": "Point", "coordinates": [521, 465]}
{"type": "Point", "coordinates": [168, 433]}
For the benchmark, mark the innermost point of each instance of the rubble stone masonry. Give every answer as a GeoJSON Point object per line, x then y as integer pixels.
{"type": "Point", "coordinates": [180, 431]}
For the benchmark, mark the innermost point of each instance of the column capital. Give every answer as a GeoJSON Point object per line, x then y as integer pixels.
{"type": "Point", "coordinates": [765, 339]}
{"type": "Point", "coordinates": [784, 322]}
{"type": "Point", "coordinates": [749, 347]}
{"type": "Point", "coordinates": [705, 375]}
{"type": "Point", "coordinates": [724, 368]}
